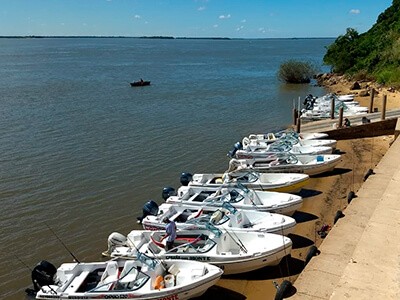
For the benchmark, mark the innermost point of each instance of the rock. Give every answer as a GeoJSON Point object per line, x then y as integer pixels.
{"type": "Point", "coordinates": [355, 86]}
{"type": "Point", "coordinates": [363, 93]}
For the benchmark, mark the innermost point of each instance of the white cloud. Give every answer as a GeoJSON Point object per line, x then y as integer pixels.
{"type": "Point", "coordinates": [239, 28]}
{"type": "Point", "coordinates": [243, 21]}
{"type": "Point", "coordinates": [355, 11]}
{"type": "Point", "coordinates": [137, 16]}
{"type": "Point", "coordinates": [225, 16]}
{"type": "Point", "coordinates": [201, 8]}
{"type": "Point", "coordinates": [215, 25]}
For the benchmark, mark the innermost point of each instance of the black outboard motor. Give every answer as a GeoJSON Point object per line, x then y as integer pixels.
{"type": "Point", "coordinates": [185, 179]}
{"type": "Point", "coordinates": [168, 192]}
{"type": "Point", "coordinates": [236, 147]}
{"type": "Point", "coordinates": [149, 208]}
{"type": "Point", "coordinates": [43, 274]}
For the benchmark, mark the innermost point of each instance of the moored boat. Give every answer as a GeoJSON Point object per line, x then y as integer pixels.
{"type": "Point", "coordinates": [142, 278]}
{"type": "Point", "coordinates": [239, 197]}
{"type": "Point", "coordinates": [286, 162]}
{"type": "Point", "coordinates": [233, 252]}
{"type": "Point", "coordinates": [254, 148]}
{"type": "Point", "coordinates": [188, 217]}
{"type": "Point", "coordinates": [274, 182]}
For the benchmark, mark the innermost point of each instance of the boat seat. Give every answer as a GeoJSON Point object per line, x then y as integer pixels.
{"type": "Point", "coordinates": [110, 275]}
{"type": "Point", "coordinates": [260, 137]}
{"type": "Point", "coordinates": [189, 275]}
{"type": "Point", "coordinates": [174, 270]}
{"type": "Point", "coordinates": [129, 273]}
{"type": "Point", "coordinates": [153, 248]}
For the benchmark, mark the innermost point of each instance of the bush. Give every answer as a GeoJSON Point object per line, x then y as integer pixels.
{"type": "Point", "coordinates": [294, 71]}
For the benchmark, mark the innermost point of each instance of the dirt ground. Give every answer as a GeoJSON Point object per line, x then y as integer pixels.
{"type": "Point", "coordinates": [325, 198]}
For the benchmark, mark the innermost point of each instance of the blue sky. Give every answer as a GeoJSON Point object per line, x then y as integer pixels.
{"type": "Point", "coordinates": [189, 18]}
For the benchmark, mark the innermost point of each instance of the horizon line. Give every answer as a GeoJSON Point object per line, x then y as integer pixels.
{"type": "Point", "coordinates": [156, 37]}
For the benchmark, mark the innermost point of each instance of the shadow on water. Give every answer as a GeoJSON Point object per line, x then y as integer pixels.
{"type": "Point", "coordinates": [334, 172]}
{"type": "Point", "coordinates": [288, 266]}
{"type": "Point", "coordinates": [307, 193]}
{"type": "Point", "coordinates": [300, 241]}
{"type": "Point", "coordinates": [302, 217]}
{"type": "Point", "coordinates": [218, 292]}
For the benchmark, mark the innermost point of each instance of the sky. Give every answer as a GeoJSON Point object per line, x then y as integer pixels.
{"type": "Point", "coordinates": [189, 18]}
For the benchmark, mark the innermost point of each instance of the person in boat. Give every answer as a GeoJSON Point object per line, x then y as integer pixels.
{"type": "Point", "coordinates": [170, 230]}
{"type": "Point", "coordinates": [346, 123]}
{"type": "Point", "coordinates": [141, 81]}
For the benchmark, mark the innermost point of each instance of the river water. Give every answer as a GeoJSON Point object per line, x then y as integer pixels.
{"type": "Point", "coordinates": [82, 151]}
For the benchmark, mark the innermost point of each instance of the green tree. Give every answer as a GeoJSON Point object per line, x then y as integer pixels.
{"type": "Point", "coordinates": [293, 71]}
{"type": "Point", "coordinates": [341, 54]}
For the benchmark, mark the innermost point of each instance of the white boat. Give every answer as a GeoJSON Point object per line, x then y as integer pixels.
{"type": "Point", "coordinates": [143, 278]}
{"type": "Point", "coordinates": [240, 197]}
{"type": "Point", "coordinates": [273, 137]}
{"type": "Point", "coordinates": [188, 217]}
{"type": "Point", "coordinates": [286, 162]}
{"type": "Point", "coordinates": [254, 148]}
{"type": "Point", "coordinates": [233, 252]}
{"type": "Point", "coordinates": [317, 108]}
{"type": "Point", "coordinates": [276, 182]}
{"type": "Point", "coordinates": [288, 138]}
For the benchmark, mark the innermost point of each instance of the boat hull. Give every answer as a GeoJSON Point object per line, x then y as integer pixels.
{"type": "Point", "coordinates": [290, 185]}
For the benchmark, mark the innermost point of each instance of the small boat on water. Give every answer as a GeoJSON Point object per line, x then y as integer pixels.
{"type": "Point", "coordinates": [188, 217]}
{"type": "Point", "coordinates": [286, 162]}
{"type": "Point", "coordinates": [274, 182]}
{"type": "Point", "coordinates": [140, 83]}
{"type": "Point", "coordinates": [143, 278]}
{"type": "Point", "coordinates": [233, 252]}
{"type": "Point", "coordinates": [238, 196]}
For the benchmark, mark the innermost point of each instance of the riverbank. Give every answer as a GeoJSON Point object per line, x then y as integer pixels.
{"type": "Point", "coordinates": [340, 85]}
{"type": "Point", "coordinates": [324, 197]}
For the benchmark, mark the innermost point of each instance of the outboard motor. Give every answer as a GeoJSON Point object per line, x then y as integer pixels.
{"type": "Point", "coordinates": [43, 274]}
{"type": "Point", "coordinates": [168, 192]}
{"type": "Point", "coordinates": [236, 147]}
{"type": "Point", "coordinates": [149, 208]}
{"type": "Point", "coordinates": [185, 179]}
{"type": "Point", "coordinates": [116, 239]}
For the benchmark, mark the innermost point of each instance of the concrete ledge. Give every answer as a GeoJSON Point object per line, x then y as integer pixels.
{"type": "Point", "coordinates": [360, 257]}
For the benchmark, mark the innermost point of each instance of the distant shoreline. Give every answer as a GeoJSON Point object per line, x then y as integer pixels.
{"type": "Point", "coordinates": [152, 37]}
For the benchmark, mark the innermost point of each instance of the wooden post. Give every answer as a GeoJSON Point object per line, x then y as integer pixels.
{"type": "Point", "coordinates": [298, 125]}
{"type": "Point", "coordinates": [295, 115]}
{"type": "Point", "coordinates": [383, 114]}
{"type": "Point", "coordinates": [332, 108]}
{"type": "Point", "coordinates": [340, 124]}
{"type": "Point", "coordinates": [371, 101]}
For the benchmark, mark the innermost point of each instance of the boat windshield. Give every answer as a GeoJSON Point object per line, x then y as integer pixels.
{"type": "Point", "coordinates": [144, 259]}
{"type": "Point", "coordinates": [203, 220]}
{"type": "Point", "coordinates": [232, 196]}
{"type": "Point", "coordinates": [248, 177]}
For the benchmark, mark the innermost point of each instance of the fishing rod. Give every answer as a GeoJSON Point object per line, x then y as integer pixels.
{"type": "Point", "coordinates": [66, 248]}
{"type": "Point", "coordinates": [238, 241]}
{"type": "Point", "coordinates": [24, 264]}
